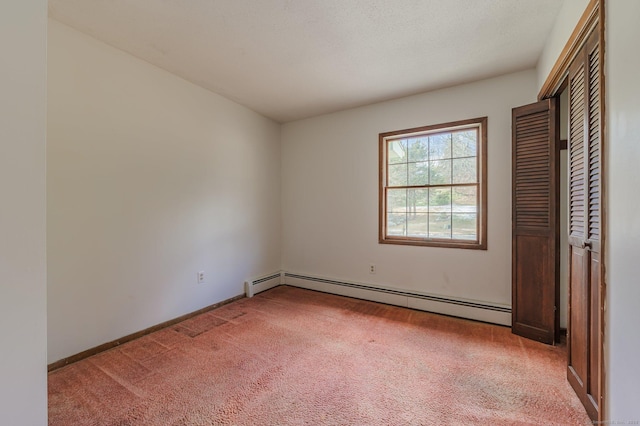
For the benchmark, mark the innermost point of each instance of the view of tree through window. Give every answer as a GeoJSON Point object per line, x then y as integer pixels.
{"type": "Point", "coordinates": [431, 184]}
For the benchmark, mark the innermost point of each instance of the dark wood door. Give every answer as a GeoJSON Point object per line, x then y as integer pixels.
{"type": "Point", "coordinates": [535, 223]}
{"type": "Point", "coordinates": [584, 325]}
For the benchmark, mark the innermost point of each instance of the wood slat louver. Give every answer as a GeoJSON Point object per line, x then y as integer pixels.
{"type": "Point", "coordinates": [532, 184]}
{"type": "Point", "coordinates": [594, 146]}
{"type": "Point", "coordinates": [577, 155]}
{"type": "Point", "coordinates": [585, 332]}
{"type": "Point", "coordinates": [535, 266]}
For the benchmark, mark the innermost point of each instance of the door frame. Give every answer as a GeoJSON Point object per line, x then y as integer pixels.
{"type": "Point", "coordinates": [593, 16]}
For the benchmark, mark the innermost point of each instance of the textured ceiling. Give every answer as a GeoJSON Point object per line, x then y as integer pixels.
{"type": "Point", "coordinates": [290, 59]}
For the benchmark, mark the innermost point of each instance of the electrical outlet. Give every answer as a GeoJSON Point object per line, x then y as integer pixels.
{"type": "Point", "coordinates": [372, 268]}
{"type": "Point", "coordinates": [200, 277]}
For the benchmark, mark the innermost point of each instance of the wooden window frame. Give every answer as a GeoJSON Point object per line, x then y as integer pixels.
{"type": "Point", "coordinates": [481, 242]}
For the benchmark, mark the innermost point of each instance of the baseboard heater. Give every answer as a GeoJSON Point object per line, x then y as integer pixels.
{"type": "Point", "coordinates": [257, 285]}
{"type": "Point", "coordinates": [481, 311]}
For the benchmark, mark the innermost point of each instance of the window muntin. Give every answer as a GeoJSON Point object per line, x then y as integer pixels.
{"type": "Point", "coordinates": [433, 185]}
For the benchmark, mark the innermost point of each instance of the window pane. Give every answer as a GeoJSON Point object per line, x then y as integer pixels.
{"type": "Point", "coordinates": [464, 226]}
{"type": "Point", "coordinates": [440, 146]}
{"type": "Point", "coordinates": [440, 172]}
{"type": "Point", "coordinates": [398, 175]}
{"type": "Point", "coordinates": [465, 170]}
{"type": "Point", "coordinates": [418, 200]}
{"type": "Point", "coordinates": [396, 200]}
{"type": "Point", "coordinates": [439, 225]}
{"type": "Point", "coordinates": [417, 225]}
{"type": "Point", "coordinates": [397, 151]}
{"type": "Point", "coordinates": [440, 200]}
{"type": "Point", "coordinates": [419, 173]}
{"type": "Point", "coordinates": [465, 143]}
{"type": "Point", "coordinates": [418, 149]}
{"type": "Point", "coordinates": [396, 224]}
{"type": "Point", "coordinates": [465, 199]}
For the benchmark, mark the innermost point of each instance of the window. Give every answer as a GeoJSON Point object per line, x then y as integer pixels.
{"type": "Point", "coordinates": [433, 185]}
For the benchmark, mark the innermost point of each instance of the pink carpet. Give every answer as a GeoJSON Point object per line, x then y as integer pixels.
{"type": "Point", "coordinates": [296, 357]}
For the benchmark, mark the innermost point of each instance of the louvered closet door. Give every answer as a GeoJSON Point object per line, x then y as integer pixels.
{"type": "Point", "coordinates": [535, 223]}
{"type": "Point", "coordinates": [585, 154]}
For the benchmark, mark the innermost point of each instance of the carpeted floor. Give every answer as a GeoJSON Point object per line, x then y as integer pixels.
{"type": "Point", "coordinates": [296, 357]}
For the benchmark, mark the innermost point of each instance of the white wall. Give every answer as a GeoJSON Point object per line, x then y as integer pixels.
{"type": "Point", "coordinates": [330, 194]}
{"type": "Point", "coordinates": [623, 180]}
{"type": "Point", "coordinates": [566, 21]}
{"type": "Point", "coordinates": [150, 179]}
{"type": "Point", "coordinates": [23, 311]}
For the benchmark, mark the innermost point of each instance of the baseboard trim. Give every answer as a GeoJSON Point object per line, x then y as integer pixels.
{"type": "Point", "coordinates": [114, 343]}
{"type": "Point", "coordinates": [475, 310]}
